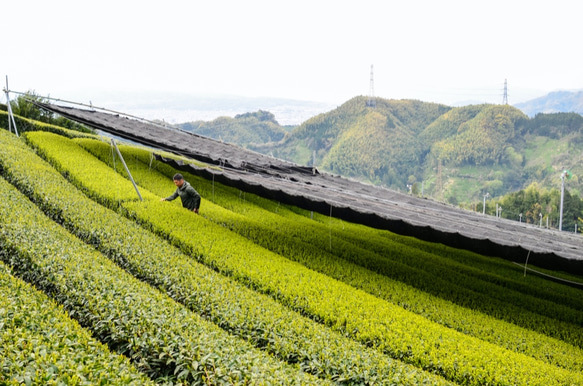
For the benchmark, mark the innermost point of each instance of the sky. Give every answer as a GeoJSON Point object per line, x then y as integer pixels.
{"type": "Point", "coordinates": [445, 51]}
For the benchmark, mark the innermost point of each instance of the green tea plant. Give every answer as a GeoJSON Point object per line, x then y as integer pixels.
{"type": "Point", "coordinates": [288, 238]}
{"type": "Point", "coordinates": [235, 308]}
{"type": "Point", "coordinates": [365, 318]}
{"type": "Point", "coordinates": [26, 124]}
{"type": "Point", "coordinates": [163, 339]}
{"type": "Point", "coordinates": [40, 344]}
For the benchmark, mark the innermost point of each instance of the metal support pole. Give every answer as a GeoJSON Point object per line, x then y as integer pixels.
{"type": "Point", "coordinates": [10, 114]}
{"type": "Point", "coordinates": [126, 167]}
{"type": "Point", "coordinates": [525, 264]}
{"type": "Point", "coordinates": [330, 227]}
{"type": "Point", "coordinates": [484, 207]}
{"type": "Point", "coordinates": [562, 195]}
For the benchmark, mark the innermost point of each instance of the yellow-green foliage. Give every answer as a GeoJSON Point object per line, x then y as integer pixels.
{"type": "Point", "coordinates": [368, 319]}
{"type": "Point", "coordinates": [164, 339]}
{"type": "Point", "coordinates": [482, 139]}
{"type": "Point", "coordinates": [41, 345]}
{"type": "Point", "coordinates": [257, 318]}
{"type": "Point", "coordinates": [368, 259]}
{"type": "Point", "coordinates": [115, 190]}
{"type": "Point", "coordinates": [24, 124]}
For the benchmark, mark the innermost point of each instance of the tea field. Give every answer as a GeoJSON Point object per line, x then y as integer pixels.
{"type": "Point", "coordinates": [100, 287]}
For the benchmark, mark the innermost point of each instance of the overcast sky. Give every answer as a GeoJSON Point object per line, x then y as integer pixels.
{"type": "Point", "coordinates": [441, 51]}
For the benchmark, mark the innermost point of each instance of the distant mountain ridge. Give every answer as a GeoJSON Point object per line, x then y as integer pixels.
{"type": "Point", "coordinates": [184, 107]}
{"type": "Point", "coordinates": [554, 102]}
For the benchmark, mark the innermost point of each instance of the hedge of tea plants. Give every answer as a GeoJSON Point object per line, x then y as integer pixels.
{"type": "Point", "coordinates": [235, 308]}
{"type": "Point", "coordinates": [297, 238]}
{"type": "Point", "coordinates": [163, 339]}
{"type": "Point", "coordinates": [373, 321]}
{"type": "Point", "coordinates": [41, 345]}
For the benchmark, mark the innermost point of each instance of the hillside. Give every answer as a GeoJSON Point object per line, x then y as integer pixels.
{"type": "Point", "coordinates": [451, 154]}
{"type": "Point", "coordinates": [251, 289]}
{"type": "Point", "coordinates": [244, 129]}
{"type": "Point", "coordinates": [377, 145]}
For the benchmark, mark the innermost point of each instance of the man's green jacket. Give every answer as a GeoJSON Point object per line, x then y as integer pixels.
{"type": "Point", "coordinates": [189, 196]}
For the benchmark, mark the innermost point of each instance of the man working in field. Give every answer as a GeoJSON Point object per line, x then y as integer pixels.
{"type": "Point", "coordinates": [190, 197]}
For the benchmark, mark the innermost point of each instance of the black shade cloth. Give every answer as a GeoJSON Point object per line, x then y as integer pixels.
{"type": "Point", "coordinates": [346, 199]}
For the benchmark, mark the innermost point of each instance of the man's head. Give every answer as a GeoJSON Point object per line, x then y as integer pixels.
{"type": "Point", "coordinates": [178, 180]}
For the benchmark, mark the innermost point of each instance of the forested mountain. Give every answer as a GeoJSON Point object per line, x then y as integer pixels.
{"type": "Point", "coordinates": [243, 129]}
{"type": "Point", "coordinates": [378, 144]}
{"type": "Point", "coordinates": [452, 154]}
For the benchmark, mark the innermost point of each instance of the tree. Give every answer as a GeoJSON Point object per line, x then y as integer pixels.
{"type": "Point", "coordinates": [25, 107]}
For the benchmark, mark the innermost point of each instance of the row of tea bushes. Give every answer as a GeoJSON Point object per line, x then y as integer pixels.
{"type": "Point", "coordinates": [41, 345]}
{"type": "Point", "coordinates": [163, 339]}
{"type": "Point", "coordinates": [235, 308]}
{"type": "Point", "coordinates": [25, 124]}
{"type": "Point", "coordinates": [485, 274]}
{"type": "Point", "coordinates": [393, 330]}
{"type": "Point", "coordinates": [397, 257]}
{"type": "Point", "coordinates": [297, 241]}
{"type": "Point", "coordinates": [493, 271]}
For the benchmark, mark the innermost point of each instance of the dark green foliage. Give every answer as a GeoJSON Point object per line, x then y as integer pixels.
{"type": "Point", "coordinates": [555, 125]}
{"type": "Point", "coordinates": [402, 138]}
{"type": "Point", "coordinates": [535, 200]}
{"type": "Point", "coordinates": [480, 140]}
{"type": "Point", "coordinates": [448, 124]}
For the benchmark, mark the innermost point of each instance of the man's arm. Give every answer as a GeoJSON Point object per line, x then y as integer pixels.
{"type": "Point", "coordinates": [172, 197]}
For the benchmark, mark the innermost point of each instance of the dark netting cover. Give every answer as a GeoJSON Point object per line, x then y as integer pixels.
{"type": "Point", "coordinates": [346, 199]}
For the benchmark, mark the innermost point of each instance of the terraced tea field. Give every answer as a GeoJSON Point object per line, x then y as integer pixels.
{"type": "Point", "coordinates": [248, 292]}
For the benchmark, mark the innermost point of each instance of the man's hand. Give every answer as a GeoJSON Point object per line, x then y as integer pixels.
{"type": "Point", "coordinates": [195, 210]}
{"type": "Point", "coordinates": [162, 199]}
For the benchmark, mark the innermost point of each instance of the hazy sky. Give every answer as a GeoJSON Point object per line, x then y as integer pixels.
{"type": "Point", "coordinates": [444, 51]}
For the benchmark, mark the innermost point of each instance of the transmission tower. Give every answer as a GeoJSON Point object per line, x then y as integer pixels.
{"type": "Point", "coordinates": [505, 97]}
{"type": "Point", "coordinates": [371, 102]}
